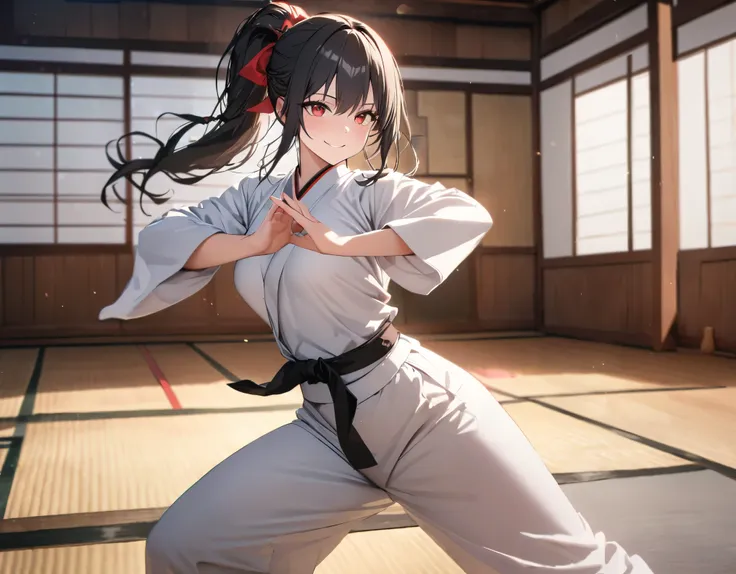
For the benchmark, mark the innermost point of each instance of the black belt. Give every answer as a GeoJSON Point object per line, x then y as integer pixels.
{"type": "Point", "coordinates": [330, 371]}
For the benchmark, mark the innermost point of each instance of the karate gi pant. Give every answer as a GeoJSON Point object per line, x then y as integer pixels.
{"type": "Point", "coordinates": [447, 452]}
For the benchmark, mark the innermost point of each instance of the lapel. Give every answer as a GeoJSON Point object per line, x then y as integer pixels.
{"type": "Point", "coordinates": [273, 268]}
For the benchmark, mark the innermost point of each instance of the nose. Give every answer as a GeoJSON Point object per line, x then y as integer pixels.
{"type": "Point", "coordinates": [347, 129]}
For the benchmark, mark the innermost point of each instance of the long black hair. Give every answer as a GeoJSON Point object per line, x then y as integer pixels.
{"type": "Point", "coordinates": [306, 58]}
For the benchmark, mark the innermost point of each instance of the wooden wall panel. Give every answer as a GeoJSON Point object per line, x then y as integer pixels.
{"type": "Point", "coordinates": [601, 302]}
{"type": "Point", "coordinates": [78, 20]}
{"type": "Point", "coordinates": [447, 308]}
{"type": "Point", "coordinates": [446, 139]}
{"type": "Point", "coordinates": [502, 167]}
{"type": "Point", "coordinates": [61, 296]}
{"type": "Point", "coordinates": [134, 20]}
{"type": "Point", "coordinates": [506, 290]}
{"type": "Point", "coordinates": [70, 290]}
{"type": "Point", "coordinates": [169, 23]}
{"type": "Point", "coordinates": [493, 43]}
{"type": "Point", "coordinates": [562, 12]}
{"type": "Point", "coordinates": [216, 24]}
{"type": "Point", "coordinates": [707, 283]}
{"type": "Point", "coordinates": [18, 291]}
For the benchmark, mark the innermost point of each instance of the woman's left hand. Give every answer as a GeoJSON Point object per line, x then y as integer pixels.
{"type": "Point", "coordinates": [318, 236]}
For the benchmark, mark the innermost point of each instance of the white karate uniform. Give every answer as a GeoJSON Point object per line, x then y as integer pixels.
{"type": "Point", "coordinates": [446, 450]}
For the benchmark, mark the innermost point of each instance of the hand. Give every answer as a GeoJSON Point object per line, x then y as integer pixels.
{"type": "Point", "coordinates": [274, 233]}
{"type": "Point", "coordinates": [319, 237]}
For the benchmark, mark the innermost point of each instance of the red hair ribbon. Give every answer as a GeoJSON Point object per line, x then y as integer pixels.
{"type": "Point", "coordinates": [255, 70]}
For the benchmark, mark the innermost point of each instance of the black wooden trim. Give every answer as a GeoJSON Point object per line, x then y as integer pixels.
{"type": "Point", "coordinates": [474, 88]}
{"type": "Point", "coordinates": [578, 477]}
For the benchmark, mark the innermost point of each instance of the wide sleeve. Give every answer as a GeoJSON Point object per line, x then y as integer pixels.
{"type": "Point", "coordinates": [441, 226]}
{"type": "Point", "coordinates": [165, 245]}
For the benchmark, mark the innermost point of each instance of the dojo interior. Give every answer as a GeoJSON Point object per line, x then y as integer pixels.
{"type": "Point", "coordinates": [600, 309]}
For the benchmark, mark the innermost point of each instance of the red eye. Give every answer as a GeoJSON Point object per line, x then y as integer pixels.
{"type": "Point", "coordinates": [364, 117]}
{"type": "Point", "coordinates": [317, 110]}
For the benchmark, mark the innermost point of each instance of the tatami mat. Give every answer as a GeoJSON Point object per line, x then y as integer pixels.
{"type": "Point", "coordinates": [569, 445]}
{"type": "Point", "coordinates": [126, 558]}
{"type": "Point", "coordinates": [16, 367]}
{"type": "Point", "coordinates": [197, 384]}
{"type": "Point", "coordinates": [399, 551]}
{"type": "Point", "coordinates": [84, 379]}
{"type": "Point", "coordinates": [680, 523]}
{"type": "Point", "coordinates": [702, 422]}
{"type": "Point", "coordinates": [97, 465]}
{"type": "Point", "coordinates": [557, 366]}
{"type": "Point", "coordinates": [258, 362]}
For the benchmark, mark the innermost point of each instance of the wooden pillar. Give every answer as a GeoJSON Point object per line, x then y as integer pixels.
{"type": "Point", "coordinates": [664, 142]}
{"type": "Point", "coordinates": [537, 172]}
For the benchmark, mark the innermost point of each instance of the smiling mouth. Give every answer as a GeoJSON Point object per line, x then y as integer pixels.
{"type": "Point", "coordinates": [335, 146]}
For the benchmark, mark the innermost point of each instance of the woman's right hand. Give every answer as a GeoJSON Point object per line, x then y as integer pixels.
{"type": "Point", "coordinates": [274, 232]}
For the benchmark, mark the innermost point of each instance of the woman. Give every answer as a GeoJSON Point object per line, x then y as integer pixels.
{"type": "Point", "coordinates": [383, 419]}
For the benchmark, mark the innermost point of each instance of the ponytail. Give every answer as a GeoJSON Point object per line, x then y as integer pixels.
{"type": "Point", "coordinates": [233, 128]}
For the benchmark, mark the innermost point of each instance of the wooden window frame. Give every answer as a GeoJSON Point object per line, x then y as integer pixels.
{"type": "Point", "coordinates": [61, 68]}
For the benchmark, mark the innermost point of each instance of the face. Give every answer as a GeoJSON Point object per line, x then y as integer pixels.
{"type": "Point", "coordinates": [336, 137]}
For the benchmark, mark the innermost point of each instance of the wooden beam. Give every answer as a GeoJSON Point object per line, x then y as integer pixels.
{"type": "Point", "coordinates": [664, 142]}
{"type": "Point", "coordinates": [589, 21]}
{"type": "Point", "coordinates": [483, 13]}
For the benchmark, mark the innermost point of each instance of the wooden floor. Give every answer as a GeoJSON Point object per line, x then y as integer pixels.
{"type": "Point", "coordinates": [95, 441]}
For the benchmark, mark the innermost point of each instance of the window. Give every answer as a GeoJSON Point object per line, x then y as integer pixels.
{"type": "Point", "coordinates": [153, 96]}
{"type": "Point", "coordinates": [52, 131]}
{"type": "Point", "coordinates": [613, 168]}
{"type": "Point", "coordinates": [721, 101]}
{"type": "Point", "coordinates": [596, 160]}
{"type": "Point", "coordinates": [601, 166]}
{"type": "Point", "coordinates": [707, 100]}
{"type": "Point", "coordinates": [641, 165]}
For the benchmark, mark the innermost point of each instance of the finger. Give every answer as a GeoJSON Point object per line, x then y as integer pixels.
{"type": "Point", "coordinates": [293, 213]}
{"type": "Point", "coordinates": [296, 204]}
{"type": "Point", "coordinates": [271, 212]}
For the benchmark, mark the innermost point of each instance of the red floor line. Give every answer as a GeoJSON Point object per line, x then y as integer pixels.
{"type": "Point", "coordinates": [160, 377]}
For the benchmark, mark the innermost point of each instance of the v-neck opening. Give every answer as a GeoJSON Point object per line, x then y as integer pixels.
{"type": "Point", "coordinates": [311, 183]}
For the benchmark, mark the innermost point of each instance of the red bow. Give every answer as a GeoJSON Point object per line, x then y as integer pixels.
{"type": "Point", "coordinates": [255, 70]}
